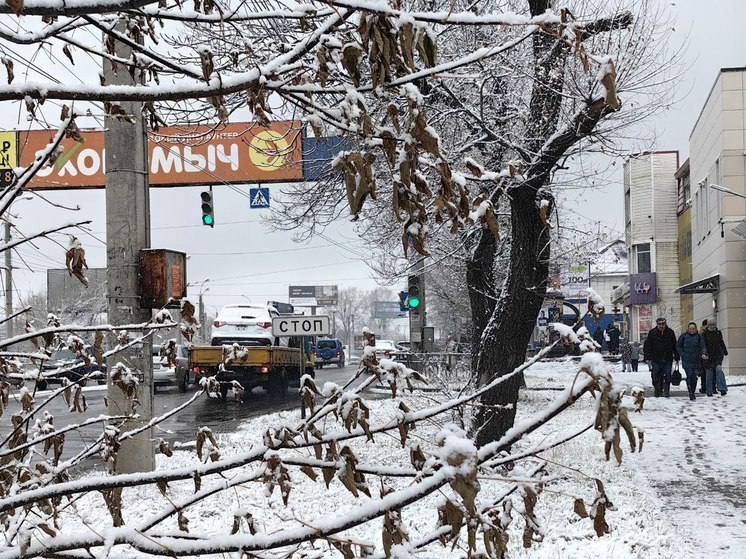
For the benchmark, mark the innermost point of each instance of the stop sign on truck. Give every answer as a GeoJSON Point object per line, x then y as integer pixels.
{"type": "Point", "coordinates": [300, 325]}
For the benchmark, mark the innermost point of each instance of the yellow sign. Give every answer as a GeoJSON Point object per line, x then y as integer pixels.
{"type": "Point", "coordinates": [8, 157]}
{"type": "Point", "coordinates": [269, 150]}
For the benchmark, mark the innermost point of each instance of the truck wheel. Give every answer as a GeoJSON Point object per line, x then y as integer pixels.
{"type": "Point", "coordinates": [341, 364]}
{"type": "Point", "coordinates": [41, 384]}
{"type": "Point", "coordinates": [224, 391]}
{"type": "Point", "coordinates": [183, 383]}
{"type": "Point", "coordinates": [278, 386]}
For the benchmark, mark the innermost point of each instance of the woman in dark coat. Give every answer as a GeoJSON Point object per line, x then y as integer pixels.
{"type": "Point", "coordinates": [714, 365]}
{"type": "Point", "coordinates": [692, 350]}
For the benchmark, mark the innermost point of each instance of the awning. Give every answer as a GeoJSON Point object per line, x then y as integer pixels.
{"type": "Point", "coordinates": [707, 285]}
{"type": "Point", "coordinates": [740, 229]}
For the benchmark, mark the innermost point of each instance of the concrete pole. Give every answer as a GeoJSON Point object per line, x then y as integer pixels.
{"type": "Point", "coordinates": [127, 232]}
{"type": "Point", "coordinates": [8, 282]}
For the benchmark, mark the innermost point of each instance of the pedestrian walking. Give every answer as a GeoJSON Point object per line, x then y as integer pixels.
{"type": "Point", "coordinates": [693, 351]}
{"type": "Point", "coordinates": [660, 353]}
{"type": "Point", "coordinates": [626, 350]}
{"type": "Point", "coordinates": [598, 337]}
{"type": "Point", "coordinates": [614, 333]}
{"type": "Point", "coordinates": [634, 355]}
{"type": "Point", "coordinates": [716, 351]}
{"type": "Point", "coordinates": [703, 368]}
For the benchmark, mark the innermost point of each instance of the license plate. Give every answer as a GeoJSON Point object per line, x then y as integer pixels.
{"type": "Point", "coordinates": [240, 327]}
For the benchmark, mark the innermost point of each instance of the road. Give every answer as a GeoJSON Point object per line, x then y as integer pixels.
{"type": "Point", "coordinates": [221, 417]}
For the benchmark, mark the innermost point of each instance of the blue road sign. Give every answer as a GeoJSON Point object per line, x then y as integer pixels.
{"type": "Point", "coordinates": [387, 309]}
{"type": "Point", "coordinates": [259, 197]}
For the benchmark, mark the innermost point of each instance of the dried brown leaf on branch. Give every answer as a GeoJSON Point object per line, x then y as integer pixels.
{"type": "Point", "coordinates": [15, 5]}
{"type": "Point", "coordinates": [8, 63]}
{"type": "Point", "coordinates": [75, 260]}
{"type": "Point", "coordinates": [113, 500]}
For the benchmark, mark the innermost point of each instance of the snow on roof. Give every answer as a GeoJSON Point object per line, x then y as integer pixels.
{"type": "Point", "coordinates": [611, 260]}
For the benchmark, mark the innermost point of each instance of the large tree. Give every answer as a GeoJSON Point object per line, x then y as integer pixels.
{"type": "Point", "coordinates": [515, 126]}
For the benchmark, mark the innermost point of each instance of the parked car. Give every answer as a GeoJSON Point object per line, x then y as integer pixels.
{"type": "Point", "coordinates": [180, 375]}
{"type": "Point", "coordinates": [386, 349]}
{"type": "Point", "coordinates": [328, 351]}
{"type": "Point", "coordinates": [163, 375]}
{"type": "Point", "coordinates": [66, 364]}
{"type": "Point", "coordinates": [248, 325]}
{"type": "Point", "coordinates": [404, 345]}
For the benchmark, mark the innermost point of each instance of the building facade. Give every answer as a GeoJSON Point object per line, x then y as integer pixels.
{"type": "Point", "coordinates": [718, 157]}
{"type": "Point", "coordinates": [684, 222]}
{"type": "Point", "coordinates": [651, 236]}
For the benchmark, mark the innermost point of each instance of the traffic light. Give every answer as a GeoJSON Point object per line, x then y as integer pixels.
{"type": "Point", "coordinates": [208, 215]}
{"type": "Point", "coordinates": [403, 301]}
{"type": "Point", "coordinates": [413, 293]}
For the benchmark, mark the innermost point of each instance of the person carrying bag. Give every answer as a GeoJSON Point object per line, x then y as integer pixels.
{"type": "Point", "coordinates": [692, 350]}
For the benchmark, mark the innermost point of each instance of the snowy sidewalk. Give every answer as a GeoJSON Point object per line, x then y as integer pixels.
{"type": "Point", "coordinates": [696, 461]}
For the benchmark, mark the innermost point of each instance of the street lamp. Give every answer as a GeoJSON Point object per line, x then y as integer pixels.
{"type": "Point", "coordinates": [202, 290]}
{"type": "Point", "coordinates": [727, 190]}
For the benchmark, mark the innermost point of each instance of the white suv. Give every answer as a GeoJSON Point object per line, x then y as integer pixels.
{"type": "Point", "coordinates": [246, 325]}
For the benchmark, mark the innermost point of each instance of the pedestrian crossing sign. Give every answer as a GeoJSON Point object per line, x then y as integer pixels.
{"type": "Point", "coordinates": [259, 197]}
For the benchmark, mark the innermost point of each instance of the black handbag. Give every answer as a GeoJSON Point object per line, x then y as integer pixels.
{"type": "Point", "coordinates": [676, 376]}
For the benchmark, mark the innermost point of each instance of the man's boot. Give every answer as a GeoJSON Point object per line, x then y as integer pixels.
{"type": "Point", "coordinates": [657, 390]}
{"type": "Point", "coordinates": [667, 389]}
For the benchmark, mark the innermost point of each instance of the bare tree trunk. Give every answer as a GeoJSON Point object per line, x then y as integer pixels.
{"type": "Point", "coordinates": [480, 279]}
{"type": "Point", "coordinates": [504, 340]}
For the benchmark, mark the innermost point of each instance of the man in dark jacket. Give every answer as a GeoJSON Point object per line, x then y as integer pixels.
{"type": "Point", "coordinates": [614, 334]}
{"type": "Point", "coordinates": [660, 353]}
{"type": "Point", "coordinates": [716, 351]}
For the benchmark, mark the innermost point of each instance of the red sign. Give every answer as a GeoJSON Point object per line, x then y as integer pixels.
{"type": "Point", "coordinates": [179, 155]}
{"type": "Point", "coordinates": [176, 284]}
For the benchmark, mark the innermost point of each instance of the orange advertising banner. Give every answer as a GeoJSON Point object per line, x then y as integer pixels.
{"type": "Point", "coordinates": [178, 155]}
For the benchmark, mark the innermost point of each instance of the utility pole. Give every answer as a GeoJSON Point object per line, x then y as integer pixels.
{"type": "Point", "coordinates": [127, 232]}
{"type": "Point", "coordinates": [8, 282]}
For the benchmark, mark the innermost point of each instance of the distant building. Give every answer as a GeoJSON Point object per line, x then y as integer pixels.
{"type": "Point", "coordinates": [651, 236]}
{"type": "Point", "coordinates": [684, 222]}
{"type": "Point", "coordinates": [718, 147]}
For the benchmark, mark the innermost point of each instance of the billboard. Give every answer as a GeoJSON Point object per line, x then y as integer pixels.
{"type": "Point", "coordinates": [388, 309]}
{"type": "Point", "coordinates": [313, 295]}
{"type": "Point", "coordinates": [178, 155]}
{"type": "Point", "coordinates": [574, 279]}
{"type": "Point", "coordinates": [67, 296]}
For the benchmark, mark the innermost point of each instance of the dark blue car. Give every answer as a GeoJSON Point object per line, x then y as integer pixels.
{"type": "Point", "coordinates": [328, 351]}
{"type": "Point", "coordinates": [64, 363]}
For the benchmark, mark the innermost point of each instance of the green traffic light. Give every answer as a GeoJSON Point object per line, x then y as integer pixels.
{"type": "Point", "coordinates": [413, 302]}
{"type": "Point", "coordinates": [207, 219]}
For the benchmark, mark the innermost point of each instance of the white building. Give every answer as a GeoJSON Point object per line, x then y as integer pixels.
{"type": "Point", "coordinates": [718, 156]}
{"type": "Point", "coordinates": [609, 269]}
{"type": "Point", "coordinates": [651, 236]}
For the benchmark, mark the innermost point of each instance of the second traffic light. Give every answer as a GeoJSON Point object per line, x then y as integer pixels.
{"type": "Point", "coordinates": [413, 293]}
{"type": "Point", "coordinates": [208, 214]}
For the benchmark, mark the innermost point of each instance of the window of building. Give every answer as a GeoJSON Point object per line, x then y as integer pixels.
{"type": "Point", "coordinates": [627, 208]}
{"type": "Point", "coordinates": [644, 263]}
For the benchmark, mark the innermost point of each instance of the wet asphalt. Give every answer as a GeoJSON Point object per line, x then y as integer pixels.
{"type": "Point", "coordinates": [181, 428]}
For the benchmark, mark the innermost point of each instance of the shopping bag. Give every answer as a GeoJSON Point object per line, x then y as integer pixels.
{"type": "Point", "coordinates": [676, 376]}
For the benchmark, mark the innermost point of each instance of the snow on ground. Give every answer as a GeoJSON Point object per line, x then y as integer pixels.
{"type": "Point", "coordinates": [681, 497]}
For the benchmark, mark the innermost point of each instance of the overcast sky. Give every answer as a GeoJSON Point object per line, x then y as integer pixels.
{"type": "Point", "coordinates": [244, 260]}
{"type": "Point", "coordinates": [714, 37]}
